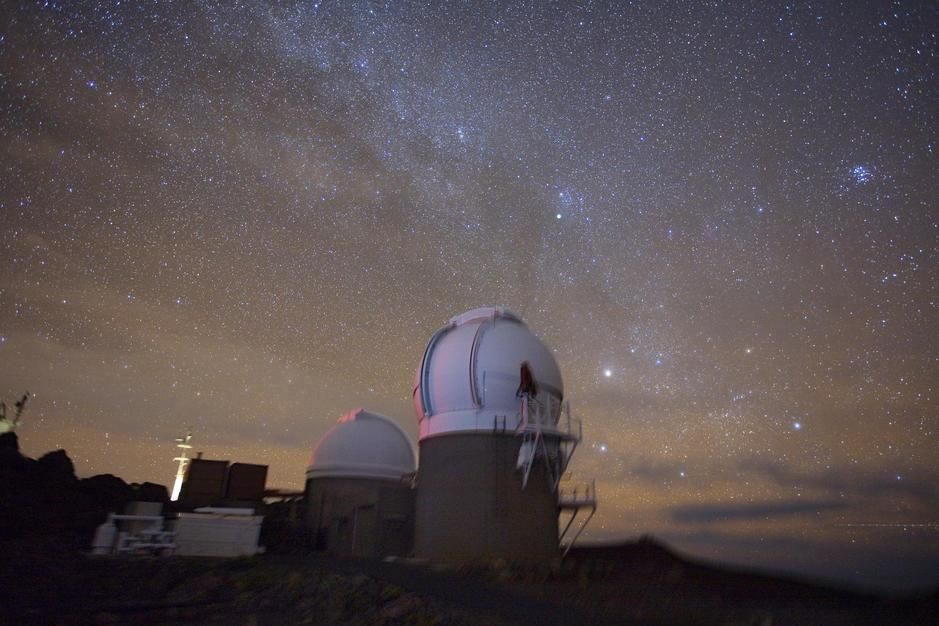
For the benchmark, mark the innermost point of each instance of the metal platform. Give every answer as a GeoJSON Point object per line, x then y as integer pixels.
{"type": "Point", "coordinates": [573, 499]}
{"type": "Point", "coordinates": [555, 443]}
{"type": "Point", "coordinates": [541, 438]}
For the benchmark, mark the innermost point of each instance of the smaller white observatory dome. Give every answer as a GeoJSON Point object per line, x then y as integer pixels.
{"type": "Point", "coordinates": [470, 373]}
{"type": "Point", "coordinates": [363, 445]}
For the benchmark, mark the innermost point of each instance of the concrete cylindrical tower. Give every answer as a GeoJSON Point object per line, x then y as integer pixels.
{"type": "Point", "coordinates": [475, 499]}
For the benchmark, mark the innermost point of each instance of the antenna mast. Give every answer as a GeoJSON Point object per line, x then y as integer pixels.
{"type": "Point", "coordinates": [9, 424]}
{"type": "Point", "coordinates": [183, 444]}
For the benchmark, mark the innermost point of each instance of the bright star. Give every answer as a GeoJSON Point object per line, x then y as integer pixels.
{"type": "Point", "coordinates": [607, 372]}
{"type": "Point", "coordinates": [861, 174]}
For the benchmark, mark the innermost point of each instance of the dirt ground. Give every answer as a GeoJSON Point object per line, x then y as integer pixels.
{"type": "Point", "coordinates": [43, 584]}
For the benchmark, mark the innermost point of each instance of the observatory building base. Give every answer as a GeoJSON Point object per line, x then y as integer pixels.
{"type": "Point", "coordinates": [471, 505]}
{"type": "Point", "coordinates": [361, 517]}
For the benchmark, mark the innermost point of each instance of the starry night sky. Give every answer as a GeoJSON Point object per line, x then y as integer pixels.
{"type": "Point", "coordinates": [723, 219]}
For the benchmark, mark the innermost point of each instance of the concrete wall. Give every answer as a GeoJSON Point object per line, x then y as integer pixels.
{"type": "Point", "coordinates": [362, 517]}
{"type": "Point", "coordinates": [471, 505]}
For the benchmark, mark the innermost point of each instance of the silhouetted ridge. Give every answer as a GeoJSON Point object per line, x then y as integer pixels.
{"type": "Point", "coordinates": [9, 441]}
{"type": "Point", "coordinates": [44, 498]}
{"type": "Point", "coordinates": [646, 549]}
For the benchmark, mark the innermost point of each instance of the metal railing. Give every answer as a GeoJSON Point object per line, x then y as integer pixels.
{"type": "Point", "coordinates": [545, 438]}
{"type": "Point", "coordinates": [581, 494]}
{"type": "Point", "coordinates": [109, 539]}
{"type": "Point", "coordinates": [580, 497]}
{"type": "Point", "coordinates": [534, 415]}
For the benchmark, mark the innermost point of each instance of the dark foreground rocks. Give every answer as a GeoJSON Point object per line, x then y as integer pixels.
{"type": "Point", "coordinates": [64, 588]}
{"type": "Point", "coordinates": [43, 583]}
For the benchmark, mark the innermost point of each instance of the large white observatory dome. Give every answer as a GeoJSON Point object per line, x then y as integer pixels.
{"type": "Point", "coordinates": [363, 445]}
{"type": "Point", "coordinates": [470, 372]}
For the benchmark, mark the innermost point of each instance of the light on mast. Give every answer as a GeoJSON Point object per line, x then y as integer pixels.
{"type": "Point", "coordinates": [183, 444]}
